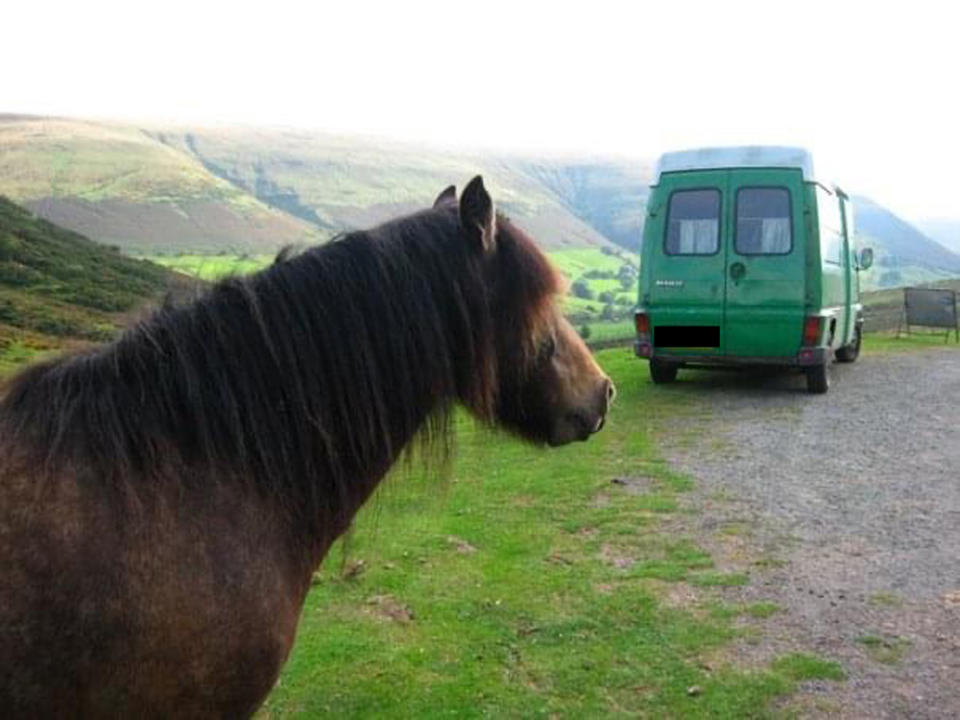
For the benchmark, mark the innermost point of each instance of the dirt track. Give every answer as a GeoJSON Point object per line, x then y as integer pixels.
{"type": "Point", "coordinates": [845, 510]}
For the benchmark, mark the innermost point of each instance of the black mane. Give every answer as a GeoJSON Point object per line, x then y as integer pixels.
{"type": "Point", "coordinates": [293, 378]}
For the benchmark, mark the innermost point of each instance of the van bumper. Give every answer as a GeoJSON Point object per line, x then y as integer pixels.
{"type": "Point", "coordinates": [806, 357]}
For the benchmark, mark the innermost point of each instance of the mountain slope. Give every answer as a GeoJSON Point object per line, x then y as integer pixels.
{"type": "Point", "coordinates": [904, 254]}
{"type": "Point", "coordinates": [167, 189]}
{"type": "Point", "coordinates": [345, 183]}
{"type": "Point", "coordinates": [609, 196]}
{"type": "Point", "coordinates": [57, 284]}
{"type": "Point", "coordinates": [120, 186]}
{"type": "Point", "coordinates": [162, 190]}
{"type": "Point", "coordinates": [944, 231]}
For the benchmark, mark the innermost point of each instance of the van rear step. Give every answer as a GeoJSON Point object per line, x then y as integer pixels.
{"type": "Point", "coordinates": [686, 336]}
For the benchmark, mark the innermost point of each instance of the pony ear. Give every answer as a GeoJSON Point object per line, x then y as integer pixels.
{"type": "Point", "coordinates": [477, 216]}
{"type": "Point", "coordinates": [447, 196]}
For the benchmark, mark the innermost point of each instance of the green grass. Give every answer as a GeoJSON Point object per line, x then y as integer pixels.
{"type": "Point", "coordinates": [213, 267]}
{"type": "Point", "coordinates": [526, 584]}
{"type": "Point", "coordinates": [578, 264]}
{"type": "Point", "coordinates": [888, 342]}
{"type": "Point", "coordinates": [802, 666]}
{"type": "Point", "coordinates": [58, 283]}
{"type": "Point", "coordinates": [715, 579]}
{"type": "Point", "coordinates": [762, 610]}
{"type": "Point", "coordinates": [606, 331]}
{"type": "Point", "coordinates": [16, 354]}
{"type": "Point", "coordinates": [887, 650]}
{"type": "Point", "coordinates": [886, 600]}
{"type": "Point", "coordinates": [96, 161]}
{"type": "Point", "coordinates": [574, 262]}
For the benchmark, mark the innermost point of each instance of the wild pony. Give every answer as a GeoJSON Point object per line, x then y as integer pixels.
{"type": "Point", "coordinates": [164, 499]}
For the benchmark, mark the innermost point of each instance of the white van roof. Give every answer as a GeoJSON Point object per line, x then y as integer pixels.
{"type": "Point", "coordinates": [765, 156]}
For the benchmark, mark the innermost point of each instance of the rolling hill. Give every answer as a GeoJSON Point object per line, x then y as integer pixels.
{"type": "Point", "coordinates": [58, 288]}
{"type": "Point", "coordinates": [118, 185]}
{"type": "Point", "coordinates": [904, 254]}
{"type": "Point", "coordinates": [341, 184]}
{"type": "Point", "coordinates": [156, 190]}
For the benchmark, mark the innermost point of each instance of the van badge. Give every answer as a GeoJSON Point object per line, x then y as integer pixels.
{"type": "Point", "coordinates": [669, 283]}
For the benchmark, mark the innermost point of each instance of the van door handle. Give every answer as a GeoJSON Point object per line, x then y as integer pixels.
{"type": "Point", "coordinates": [737, 271]}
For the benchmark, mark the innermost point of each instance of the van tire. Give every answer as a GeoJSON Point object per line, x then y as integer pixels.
{"type": "Point", "coordinates": [818, 379]}
{"type": "Point", "coordinates": [849, 353]}
{"type": "Point", "coordinates": [662, 372]}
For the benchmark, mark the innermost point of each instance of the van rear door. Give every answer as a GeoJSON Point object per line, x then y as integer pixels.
{"type": "Point", "coordinates": [687, 277]}
{"type": "Point", "coordinates": [765, 264]}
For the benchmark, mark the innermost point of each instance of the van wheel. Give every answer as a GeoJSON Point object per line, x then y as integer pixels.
{"type": "Point", "coordinates": [849, 353]}
{"type": "Point", "coordinates": [662, 372]}
{"type": "Point", "coordinates": [818, 379]}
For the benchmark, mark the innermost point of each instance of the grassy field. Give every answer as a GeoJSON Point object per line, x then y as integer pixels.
{"type": "Point", "coordinates": [883, 307]}
{"type": "Point", "coordinates": [18, 349]}
{"type": "Point", "coordinates": [573, 263]}
{"type": "Point", "coordinates": [537, 583]}
{"type": "Point", "coordinates": [529, 583]}
{"type": "Point", "coordinates": [576, 261]}
{"type": "Point", "coordinates": [213, 267]}
{"type": "Point", "coordinates": [889, 342]}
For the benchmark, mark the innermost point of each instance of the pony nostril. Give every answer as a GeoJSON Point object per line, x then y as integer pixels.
{"type": "Point", "coordinates": [611, 391]}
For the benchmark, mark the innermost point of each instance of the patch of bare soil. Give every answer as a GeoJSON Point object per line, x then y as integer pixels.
{"type": "Point", "coordinates": [845, 511]}
{"type": "Point", "coordinates": [389, 608]}
{"type": "Point", "coordinates": [461, 545]}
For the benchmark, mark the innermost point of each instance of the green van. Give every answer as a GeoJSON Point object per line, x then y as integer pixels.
{"type": "Point", "coordinates": [748, 259]}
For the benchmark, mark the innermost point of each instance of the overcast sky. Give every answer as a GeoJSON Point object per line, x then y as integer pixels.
{"type": "Point", "coordinates": [871, 89]}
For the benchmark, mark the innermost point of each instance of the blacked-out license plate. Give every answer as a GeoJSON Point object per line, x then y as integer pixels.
{"type": "Point", "coordinates": [686, 336]}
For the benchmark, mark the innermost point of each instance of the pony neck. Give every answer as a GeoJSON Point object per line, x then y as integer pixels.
{"type": "Point", "coordinates": [329, 363]}
{"type": "Point", "coordinates": [301, 384]}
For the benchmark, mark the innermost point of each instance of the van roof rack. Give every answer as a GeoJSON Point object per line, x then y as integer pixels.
{"type": "Point", "coordinates": [759, 156]}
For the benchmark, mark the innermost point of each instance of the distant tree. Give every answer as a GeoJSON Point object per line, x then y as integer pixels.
{"type": "Point", "coordinates": [580, 289]}
{"type": "Point", "coordinates": [627, 275]}
{"type": "Point", "coordinates": [608, 313]}
{"type": "Point", "coordinates": [599, 274]}
{"type": "Point", "coordinates": [606, 297]}
{"type": "Point", "coordinates": [585, 331]}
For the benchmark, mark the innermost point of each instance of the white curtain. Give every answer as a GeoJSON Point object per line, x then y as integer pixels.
{"type": "Point", "coordinates": [775, 236]}
{"type": "Point", "coordinates": [697, 237]}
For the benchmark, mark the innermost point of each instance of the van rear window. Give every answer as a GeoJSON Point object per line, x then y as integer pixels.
{"type": "Point", "coordinates": [763, 221]}
{"type": "Point", "coordinates": [693, 223]}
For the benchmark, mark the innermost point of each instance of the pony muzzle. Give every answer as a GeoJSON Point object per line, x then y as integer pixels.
{"type": "Point", "coordinates": [581, 423]}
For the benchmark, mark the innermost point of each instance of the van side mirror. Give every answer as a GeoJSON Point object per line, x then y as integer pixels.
{"type": "Point", "coordinates": [866, 259]}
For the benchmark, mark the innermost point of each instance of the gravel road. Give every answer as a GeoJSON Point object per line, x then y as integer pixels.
{"type": "Point", "coordinates": [845, 509]}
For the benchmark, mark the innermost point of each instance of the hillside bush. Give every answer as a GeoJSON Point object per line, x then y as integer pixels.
{"type": "Point", "coordinates": [580, 289]}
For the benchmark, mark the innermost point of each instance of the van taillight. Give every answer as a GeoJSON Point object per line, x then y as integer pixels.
{"type": "Point", "coordinates": [642, 323]}
{"type": "Point", "coordinates": [643, 346]}
{"type": "Point", "coordinates": [812, 330]}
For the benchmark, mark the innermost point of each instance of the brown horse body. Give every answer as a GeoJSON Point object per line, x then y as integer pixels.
{"type": "Point", "coordinates": [164, 500]}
